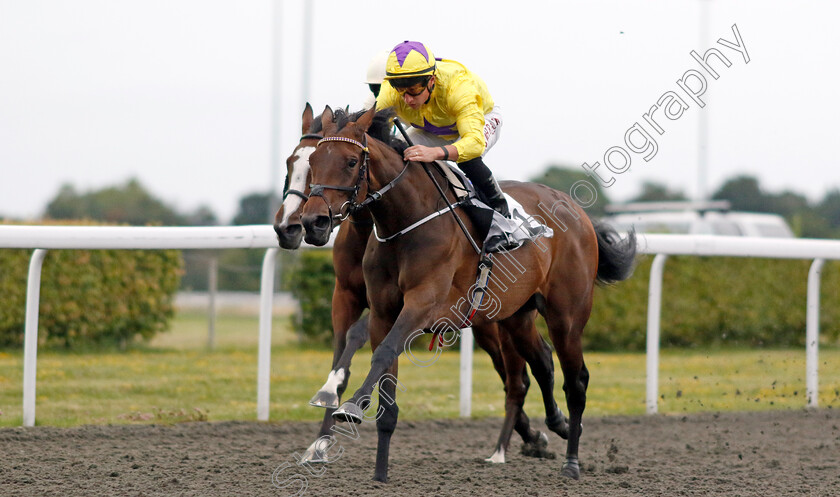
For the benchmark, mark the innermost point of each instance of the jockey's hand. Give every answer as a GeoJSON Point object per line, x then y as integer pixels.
{"type": "Point", "coordinates": [420, 153]}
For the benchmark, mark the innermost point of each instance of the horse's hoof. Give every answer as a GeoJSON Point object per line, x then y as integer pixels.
{"type": "Point", "coordinates": [538, 448]}
{"type": "Point", "coordinates": [498, 457]}
{"type": "Point", "coordinates": [571, 469]}
{"type": "Point", "coordinates": [314, 454]}
{"type": "Point", "coordinates": [559, 424]}
{"type": "Point", "coordinates": [348, 413]}
{"type": "Point", "coordinates": [324, 399]}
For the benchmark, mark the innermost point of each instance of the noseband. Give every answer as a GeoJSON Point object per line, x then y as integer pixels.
{"type": "Point", "coordinates": [317, 190]}
{"type": "Point", "coordinates": [291, 191]}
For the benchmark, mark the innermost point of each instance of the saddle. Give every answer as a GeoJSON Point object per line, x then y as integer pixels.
{"type": "Point", "coordinates": [496, 232]}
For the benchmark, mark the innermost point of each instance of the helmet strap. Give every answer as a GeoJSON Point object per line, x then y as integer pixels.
{"type": "Point", "coordinates": [430, 90]}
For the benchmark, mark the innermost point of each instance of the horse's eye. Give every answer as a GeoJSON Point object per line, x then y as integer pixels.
{"type": "Point", "coordinates": [352, 162]}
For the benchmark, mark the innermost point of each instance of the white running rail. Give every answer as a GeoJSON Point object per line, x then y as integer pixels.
{"type": "Point", "coordinates": [661, 246]}
{"type": "Point", "coordinates": [732, 246]}
{"type": "Point", "coordinates": [43, 238]}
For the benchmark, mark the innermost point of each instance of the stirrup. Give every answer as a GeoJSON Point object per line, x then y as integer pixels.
{"type": "Point", "coordinates": [498, 243]}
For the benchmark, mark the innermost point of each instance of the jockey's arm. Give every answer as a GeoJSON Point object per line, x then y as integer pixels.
{"type": "Point", "coordinates": [423, 153]}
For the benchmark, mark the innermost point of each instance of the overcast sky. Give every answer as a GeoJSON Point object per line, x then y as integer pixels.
{"type": "Point", "coordinates": [178, 93]}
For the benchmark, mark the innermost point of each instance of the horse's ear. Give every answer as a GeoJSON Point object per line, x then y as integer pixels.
{"type": "Point", "coordinates": [327, 120]}
{"type": "Point", "coordinates": [307, 119]}
{"type": "Point", "coordinates": [366, 119]}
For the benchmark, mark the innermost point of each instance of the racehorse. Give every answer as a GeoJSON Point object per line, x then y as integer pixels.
{"type": "Point", "coordinates": [349, 301]}
{"type": "Point", "coordinates": [416, 280]}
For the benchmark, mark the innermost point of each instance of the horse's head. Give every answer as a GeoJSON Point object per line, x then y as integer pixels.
{"type": "Point", "coordinates": [296, 190]}
{"type": "Point", "coordinates": [339, 174]}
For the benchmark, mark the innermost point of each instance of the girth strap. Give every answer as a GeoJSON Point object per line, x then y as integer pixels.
{"type": "Point", "coordinates": [418, 223]}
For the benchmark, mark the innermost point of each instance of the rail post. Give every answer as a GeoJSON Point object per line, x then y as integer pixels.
{"type": "Point", "coordinates": [466, 372]}
{"type": "Point", "coordinates": [264, 361]}
{"type": "Point", "coordinates": [30, 340]}
{"type": "Point", "coordinates": [812, 333]}
{"type": "Point", "coordinates": [657, 268]}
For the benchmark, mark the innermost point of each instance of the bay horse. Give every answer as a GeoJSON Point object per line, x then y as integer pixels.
{"type": "Point", "coordinates": [350, 300]}
{"type": "Point", "coordinates": [416, 279]}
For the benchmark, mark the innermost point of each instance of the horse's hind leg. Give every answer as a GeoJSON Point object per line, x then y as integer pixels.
{"type": "Point", "coordinates": [531, 346]}
{"type": "Point", "coordinates": [516, 388]}
{"type": "Point", "coordinates": [511, 368]}
{"type": "Point", "coordinates": [566, 331]}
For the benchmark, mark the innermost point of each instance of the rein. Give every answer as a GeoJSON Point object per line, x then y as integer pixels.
{"type": "Point", "coordinates": [317, 190]}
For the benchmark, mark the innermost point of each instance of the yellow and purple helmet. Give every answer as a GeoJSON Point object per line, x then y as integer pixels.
{"type": "Point", "coordinates": [409, 59]}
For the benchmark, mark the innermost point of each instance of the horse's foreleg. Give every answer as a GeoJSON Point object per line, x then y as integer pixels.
{"type": "Point", "coordinates": [386, 421]}
{"type": "Point", "coordinates": [387, 349]}
{"type": "Point", "coordinates": [345, 344]}
{"type": "Point", "coordinates": [330, 394]}
{"type": "Point", "coordinates": [385, 353]}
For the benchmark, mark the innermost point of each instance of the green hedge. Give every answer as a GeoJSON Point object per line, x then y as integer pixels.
{"type": "Point", "coordinates": [707, 301]}
{"type": "Point", "coordinates": [716, 301]}
{"type": "Point", "coordinates": [311, 279]}
{"type": "Point", "coordinates": [90, 297]}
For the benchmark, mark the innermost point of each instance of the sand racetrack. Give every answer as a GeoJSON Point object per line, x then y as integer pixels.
{"type": "Point", "coordinates": [743, 454]}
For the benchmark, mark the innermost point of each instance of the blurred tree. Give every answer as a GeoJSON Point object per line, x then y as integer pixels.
{"type": "Point", "coordinates": [562, 178]}
{"type": "Point", "coordinates": [744, 194]}
{"type": "Point", "coordinates": [203, 216]}
{"type": "Point", "coordinates": [657, 192]}
{"type": "Point", "coordinates": [787, 203]}
{"type": "Point", "coordinates": [128, 204]}
{"type": "Point", "coordinates": [253, 209]}
{"type": "Point", "coordinates": [808, 224]}
{"type": "Point", "coordinates": [829, 208]}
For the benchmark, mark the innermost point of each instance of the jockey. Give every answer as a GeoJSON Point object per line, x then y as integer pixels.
{"type": "Point", "coordinates": [451, 112]}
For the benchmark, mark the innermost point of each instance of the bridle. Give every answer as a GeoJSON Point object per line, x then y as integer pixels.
{"type": "Point", "coordinates": [351, 204]}
{"type": "Point", "coordinates": [292, 191]}
{"type": "Point", "coordinates": [317, 190]}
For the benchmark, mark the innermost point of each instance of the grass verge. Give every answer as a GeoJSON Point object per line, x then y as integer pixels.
{"type": "Point", "coordinates": [176, 378]}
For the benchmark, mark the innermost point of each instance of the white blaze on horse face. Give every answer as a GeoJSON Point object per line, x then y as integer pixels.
{"type": "Point", "coordinates": [335, 379]}
{"type": "Point", "coordinates": [300, 171]}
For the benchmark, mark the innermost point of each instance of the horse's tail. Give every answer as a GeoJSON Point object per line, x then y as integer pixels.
{"type": "Point", "coordinates": [615, 255]}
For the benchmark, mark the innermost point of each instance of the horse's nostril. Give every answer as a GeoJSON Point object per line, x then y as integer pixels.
{"type": "Point", "coordinates": [316, 223]}
{"type": "Point", "coordinates": [321, 223]}
{"type": "Point", "coordinates": [293, 230]}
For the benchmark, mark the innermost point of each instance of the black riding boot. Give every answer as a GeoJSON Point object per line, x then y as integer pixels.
{"type": "Point", "coordinates": [486, 185]}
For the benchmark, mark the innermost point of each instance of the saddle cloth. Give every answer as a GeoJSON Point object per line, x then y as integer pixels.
{"type": "Point", "coordinates": [521, 227]}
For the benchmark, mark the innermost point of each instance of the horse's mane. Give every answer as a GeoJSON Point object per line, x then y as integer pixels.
{"type": "Point", "coordinates": [379, 129]}
{"type": "Point", "coordinates": [317, 126]}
